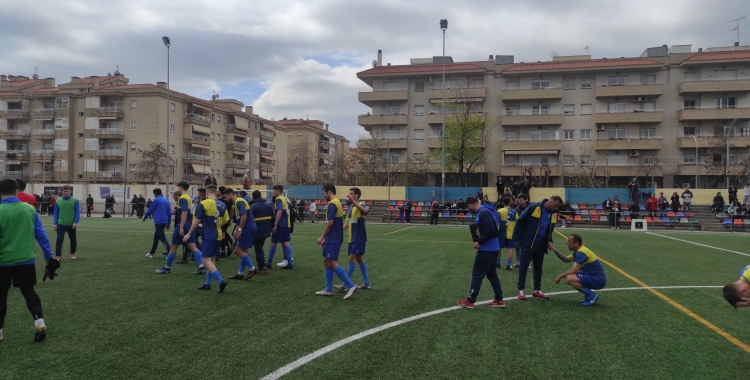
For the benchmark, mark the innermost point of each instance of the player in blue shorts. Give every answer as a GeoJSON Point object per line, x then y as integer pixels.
{"type": "Point", "coordinates": [738, 293]}
{"type": "Point", "coordinates": [280, 232]}
{"type": "Point", "coordinates": [587, 274]}
{"type": "Point", "coordinates": [355, 224]}
{"type": "Point", "coordinates": [508, 216]}
{"type": "Point", "coordinates": [184, 224]}
{"type": "Point", "coordinates": [331, 241]}
{"type": "Point", "coordinates": [244, 234]}
{"type": "Point", "coordinates": [212, 214]}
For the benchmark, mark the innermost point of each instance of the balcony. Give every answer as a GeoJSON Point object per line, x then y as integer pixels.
{"type": "Point", "coordinates": [237, 164]}
{"type": "Point", "coordinates": [466, 93]}
{"type": "Point", "coordinates": [373, 120]}
{"type": "Point", "coordinates": [194, 177]}
{"type": "Point", "coordinates": [372, 97]}
{"type": "Point", "coordinates": [193, 118]}
{"type": "Point", "coordinates": [628, 143]}
{"type": "Point", "coordinates": [532, 117]}
{"type": "Point", "coordinates": [714, 85]}
{"type": "Point", "coordinates": [269, 135]}
{"type": "Point", "coordinates": [43, 134]}
{"type": "Point", "coordinates": [689, 169]}
{"type": "Point", "coordinates": [234, 128]}
{"type": "Point", "coordinates": [711, 141]}
{"type": "Point", "coordinates": [192, 158]}
{"type": "Point", "coordinates": [437, 118]}
{"type": "Point", "coordinates": [115, 112]}
{"type": "Point", "coordinates": [630, 116]}
{"type": "Point", "coordinates": [605, 90]}
{"type": "Point", "coordinates": [17, 174]}
{"type": "Point", "coordinates": [531, 145]}
{"type": "Point", "coordinates": [324, 143]}
{"type": "Point", "coordinates": [237, 147]}
{"type": "Point", "coordinates": [15, 114]}
{"type": "Point", "coordinates": [112, 175]}
{"type": "Point", "coordinates": [16, 154]}
{"type": "Point", "coordinates": [265, 150]}
{"type": "Point", "coordinates": [114, 154]}
{"type": "Point", "coordinates": [518, 170]}
{"type": "Point", "coordinates": [434, 142]}
{"type": "Point", "coordinates": [43, 155]}
{"type": "Point", "coordinates": [109, 132]}
{"type": "Point", "coordinates": [528, 93]}
{"type": "Point", "coordinates": [44, 113]}
{"type": "Point", "coordinates": [44, 174]}
{"type": "Point", "coordinates": [266, 167]}
{"type": "Point", "coordinates": [16, 133]}
{"type": "Point", "coordinates": [199, 138]}
{"type": "Point", "coordinates": [626, 170]}
{"type": "Point", "coordinates": [714, 113]}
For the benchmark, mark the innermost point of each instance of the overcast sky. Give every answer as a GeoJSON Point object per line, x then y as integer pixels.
{"type": "Point", "coordinates": [299, 59]}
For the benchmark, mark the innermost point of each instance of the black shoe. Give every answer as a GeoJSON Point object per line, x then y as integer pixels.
{"type": "Point", "coordinates": [507, 267]}
{"type": "Point", "coordinates": [229, 253]}
{"type": "Point", "coordinates": [165, 253]}
{"type": "Point", "coordinates": [498, 265]}
{"type": "Point", "coordinates": [222, 286]}
{"type": "Point", "coordinates": [516, 266]}
{"type": "Point", "coordinates": [40, 334]}
{"type": "Point", "coordinates": [237, 277]}
{"type": "Point", "coordinates": [290, 266]}
{"type": "Point", "coordinates": [251, 274]}
{"type": "Point", "coordinates": [205, 287]}
{"type": "Point", "coordinates": [181, 262]}
{"type": "Point", "coordinates": [269, 266]}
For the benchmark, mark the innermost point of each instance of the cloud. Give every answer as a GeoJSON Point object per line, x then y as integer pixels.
{"type": "Point", "coordinates": [298, 58]}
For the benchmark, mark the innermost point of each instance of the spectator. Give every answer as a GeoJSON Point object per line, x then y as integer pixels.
{"type": "Point", "coordinates": [207, 181]}
{"type": "Point", "coordinates": [89, 206]}
{"type": "Point", "coordinates": [513, 187]}
{"type": "Point", "coordinates": [566, 211]}
{"type": "Point", "coordinates": [607, 204]}
{"type": "Point", "coordinates": [141, 206]}
{"type": "Point", "coordinates": [480, 195]}
{"type": "Point", "coordinates": [635, 211]}
{"type": "Point", "coordinates": [732, 190]}
{"type": "Point", "coordinates": [617, 199]}
{"type": "Point", "coordinates": [663, 204]}
{"type": "Point", "coordinates": [301, 210]}
{"type": "Point", "coordinates": [633, 187]}
{"type": "Point", "coordinates": [109, 204]}
{"type": "Point", "coordinates": [246, 184]}
{"type": "Point", "coordinates": [521, 203]}
{"type": "Point", "coordinates": [524, 186]}
{"type": "Point", "coordinates": [213, 180]}
{"type": "Point", "coordinates": [500, 186]}
{"type": "Point", "coordinates": [407, 211]}
{"type": "Point", "coordinates": [733, 209]}
{"type": "Point", "coordinates": [134, 205]}
{"type": "Point", "coordinates": [434, 212]}
{"type": "Point", "coordinates": [401, 214]}
{"type": "Point", "coordinates": [675, 202]}
{"type": "Point", "coordinates": [311, 210]}
{"type": "Point", "coordinates": [687, 199]}
{"type": "Point", "coordinates": [148, 204]}
{"type": "Point", "coordinates": [461, 206]}
{"type": "Point", "coordinates": [652, 205]}
{"type": "Point", "coordinates": [718, 204]}
{"type": "Point", "coordinates": [746, 194]}
{"type": "Point", "coordinates": [743, 209]}
{"type": "Point", "coordinates": [486, 200]}
{"type": "Point", "coordinates": [51, 207]}
{"type": "Point", "coordinates": [614, 216]}
{"type": "Point", "coordinates": [507, 194]}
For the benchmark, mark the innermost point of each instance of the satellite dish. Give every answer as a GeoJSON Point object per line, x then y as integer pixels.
{"type": "Point", "coordinates": [374, 63]}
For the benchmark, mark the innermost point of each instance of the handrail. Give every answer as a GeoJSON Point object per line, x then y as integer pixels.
{"type": "Point", "coordinates": [627, 84]}
{"type": "Point", "coordinates": [712, 79]}
{"type": "Point", "coordinates": [630, 111]}
{"type": "Point", "coordinates": [714, 107]}
{"type": "Point", "coordinates": [531, 112]}
{"type": "Point", "coordinates": [532, 88]}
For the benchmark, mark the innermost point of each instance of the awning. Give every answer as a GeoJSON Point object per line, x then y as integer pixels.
{"type": "Point", "coordinates": [201, 129]}
{"type": "Point", "coordinates": [12, 162]}
{"type": "Point", "coordinates": [106, 118]}
{"type": "Point", "coordinates": [201, 144]}
{"type": "Point", "coordinates": [528, 152]}
{"type": "Point", "coordinates": [201, 169]}
{"type": "Point", "coordinates": [448, 100]}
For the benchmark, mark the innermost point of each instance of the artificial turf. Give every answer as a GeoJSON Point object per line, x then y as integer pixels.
{"type": "Point", "coordinates": [111, 316]}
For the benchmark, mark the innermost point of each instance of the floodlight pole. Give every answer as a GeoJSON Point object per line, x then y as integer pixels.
{"type": "Point", "coordinates": [167, 43]}
{"type": "Point", "coordinates": [443, 27]}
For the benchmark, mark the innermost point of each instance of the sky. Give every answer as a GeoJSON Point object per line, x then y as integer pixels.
{"type": "Point", "coordinates": [299, 59]}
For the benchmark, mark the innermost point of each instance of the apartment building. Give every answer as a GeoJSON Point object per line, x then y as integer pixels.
{"type": "Point", "coordinates": [611, 118]}
{"type": "Point", "coordinates": [90, 130]}
{"type": "Point", "coordinates": [313, 150]}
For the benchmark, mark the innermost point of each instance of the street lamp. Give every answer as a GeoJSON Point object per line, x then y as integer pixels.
{"type": "Point", "coordinates": [697, 169]}
{"type": "Point", "coordinates": [726, 160]}
{"type": "Point", "coordinates": [167, 43]}
{"type": "Point", "coordinates": [443, 27]}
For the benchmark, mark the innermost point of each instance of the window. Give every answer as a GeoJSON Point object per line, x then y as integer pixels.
{"type": "Point", "coordinates": [81, 114]}
{"type": "Point", "coordinates": [745, 131]}
{"type": "Point", "coordinates": [540, 160]}
{"type": "Point", "coordinates": [449, 83]}
{"type": "Point", "coordinates": [569, 109]}
{"type": "Point", "coordinates": [569, 83]}
{"type": "Point", "coordinates": [567, 161]}
{"type": "Point", "coordinates": [171, 148]}
{"type": "Point", "coordinates": [617, 80]}
{"type": "Point", "coordinates": [725, 74]}
{"type": "Point", "coordinates": [540, 135]}
{"type": "Point", "coordinates": [477, 82]}
{"type": "Point", "coordinates": [617, 107]}
{"type": "Point", "coordinates": [511, 160]}
{"type": "Point", "coordinates": [616, 133]}
{"type": "Point", "coordinates": [586, 109]}
{"type": "Point", "coordinates": [585, 83]}
{"type": "Point", "coordinates": [391, 86]}
{"type": "Point", "coordinates": [538, 84]}
{"type": "Point", "coordinates": [718, 158]}
{"type": "Point", "coordinates": [394, 158]}
{"type": "Point", "coordinates": [80, 135]}
{"type": "Point", "coordinates": [647, 160]}
{"type": "Point", "coordinates": [299, 135]}
{"type": "Point", "coordinates": [511, 135]}
{"type": "Point", "coordinates": [171, 128]}
{"type": "Point", "coordinates": [61, 103]}
{"type": "Point", "coordinates": [648, 133]}
{"type": "Point", "coordinates": [132, 147]}
{"type": "Point", "coordinates": [133, 103]}
{"type": "Point", "coordinates": [90, 144]}
{"type": "Point", "coordinates": [585, 160]}
{"type": "Point", "coordinates": [391, 110]}
{"type": "Point", "coordinates": [171, 107]}
{"type": "Point", "coordinates": [213, 117]}
{"type": "Point", "coordinates": [213, 154]}
{"type": "Point", "coordinates": [688, 131]}
{"type": "Point", "coordinates": [511, 85]}
{"type": "Point", "coordinates": [511, 111]}
{"type": "Point", "coordinates": [649, 79]}
{"type": "Point", "coordinates": [688, 104]}
{"type": "Point", "coordinates": [540, 109]}
{"type": "Point", "coordinates": [726, 102]}
{"type": "Point", "coordinates": [133, 125]}
{"type": "Point", "coordinates": [80, 155]}
{"type": "Point", "coordinates": [690, 76]}
{"type": "Point", "coordinates": [213, 137]}
{"type": "Point", "coordinates": [419, 110]}
{"type": "Point", "coordinates": [648, 106]}
{"type": "Point", "coordinates": [418, 86]}
{"type": "Point", "coordinates": [418, 156]}
{"type": "Point", "coordinates": [419, 134]}
{"type": "Point", "coordinates": [568, 135]}
{"type": "Point", "coordinates": [585, 134]}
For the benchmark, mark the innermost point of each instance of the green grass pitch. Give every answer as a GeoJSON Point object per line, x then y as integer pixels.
{"type": "Point", "coordinates": [110, 316]}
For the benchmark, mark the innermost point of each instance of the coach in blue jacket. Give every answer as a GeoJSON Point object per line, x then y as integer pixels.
{"type": "Point", "coordinates": [162, 211]}
{"type": "Point", "coordinates": [533, 236]}
{"type": "Point", "coordinates": [263, 214]}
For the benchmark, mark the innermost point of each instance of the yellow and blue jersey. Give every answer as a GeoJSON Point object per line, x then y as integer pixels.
{"type": "Point", "coordinates": [590, 264]}
{"type": "Point", "coordinates": [336, 214]}
{"type": "Point", "coordinates": [508, 216]}
{"type": "Point", "coordinates": [745, 274]}
{"type": "Point", "coordinates": [184, 203]}
{"type": "Point", "coordinates": [281, 203]}
{"type": "Point", "coordinates": [241, 207]}
{"type": "Point", "coordinates": [356, 221]}
{"type": "Point", "coordinates": [212, 214]}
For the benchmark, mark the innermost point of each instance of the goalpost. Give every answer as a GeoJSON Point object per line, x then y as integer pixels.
{"type": "Point", "coordinates": [266, 194]}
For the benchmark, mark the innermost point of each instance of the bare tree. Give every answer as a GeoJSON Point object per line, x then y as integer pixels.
{"type": "Point", "coordinates": [373, 162]}
{"type": "Point", "coordinates": [537, 175]}
{"type": "Point", "coordinates": [716, 160]}
{"type": "Point", "coordinates": [150, 167]}
{"type": "Point", "coordinates": [587, 169]}
{"type": "Point", "coordinates": [302, 164]}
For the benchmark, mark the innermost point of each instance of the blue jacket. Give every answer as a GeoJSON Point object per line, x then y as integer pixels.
{"type": "Point", "coordinates": [263, 214]}
{"type": "Point", "coordinates": [488, 220]}
{"type": "Point", "coordinates": [161, 209]}
{"type": "Point", "coordinates": [527, 226]}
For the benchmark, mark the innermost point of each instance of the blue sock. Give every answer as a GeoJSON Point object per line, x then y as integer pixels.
{"type": "Point", "coordinates": [329, 280]}
{"type": "Point", "coordinates": [589, 294]}
{"type": "Point", "coordinates": [242, 266]}
{"type": "Point", "coordinates": [344, 278]}
{"type": "Point", "coordinates": [363, 269]}
{"type": "Point", "coordinates": [508, 262]}
{"type": "Point", "coordinates": [271, 252]}
{"type": "Point", "coordinates": [288, 253]}
{"type": "Point", "coordinates": [170, 259]}
{"type": "Point", "coordinates": [248, 263]}
{"type": "Point", "coordinates": [198, 256]}
{"type": "Point", "coordinates": [208, 279]}
{"type": "Point", "coordinates": [217, 277]}
{"type": "Point", "coordinates": [350, 272]}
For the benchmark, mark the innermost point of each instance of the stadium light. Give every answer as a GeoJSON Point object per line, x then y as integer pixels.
{"type": "Point", "coordinates": [167, 43]}
{"type": "Point", "coordinates": [443, 27]}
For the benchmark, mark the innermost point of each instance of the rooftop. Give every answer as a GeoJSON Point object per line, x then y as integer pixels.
{"type": "Point", "coordinates": [406, 69]}
{"type": "Point", "coordinates": [719, 56]}
{"type": "Point", "coordinates": [584, 64]}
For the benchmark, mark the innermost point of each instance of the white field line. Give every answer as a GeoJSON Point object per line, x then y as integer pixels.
{"type": "Point", "coordinates": [702, 245]}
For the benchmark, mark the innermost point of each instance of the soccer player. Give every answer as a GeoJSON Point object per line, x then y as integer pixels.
{"type": "Point", "coordinates": [508, 218]}
{"type": "Point", "coordinates": [20, 225]}
{"type": "Point", "coordinates": [331, 241]}
{"type": "Point", "coordinates": [227, 244]}
{"type": "Point", "coordinates": [488, 248]}
{"type": "Point", "coordinates": [355, 223]}
{"type": "Point", "coordinates": [738, 293]}
{"type": "Point", "coordinates": [244, 234]}
{"type": "Point", "coordinates": [587, 274]}
{"type": "Point", "coordinates": [212, 215]}
{"type": "Point", "coordinates": [161, 210]}
{"type": "Point", "coordinates": [66, 216]}
{"type": "Point", "coordinates": [280, 232]}
{"type": "Point", "coordinates": [183, 224]}
{"type": "Point", "coordinates": [263, 213]}
{"type": "Point", "coordinates": [23, 196]}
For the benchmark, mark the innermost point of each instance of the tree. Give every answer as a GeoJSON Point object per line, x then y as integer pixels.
{"type": "Point", "coordinates": [538, 176]}
{"type": "Point", "coordinates": [373, 162]}
{"type": "Point", "coordinates": [583, 171]}
{"type": "Point", "coordinates": [716, 162]}
{"type": "Point", "coordinates": [302, 164]}
{"type": "Point", "coordinates": [150, 167]}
